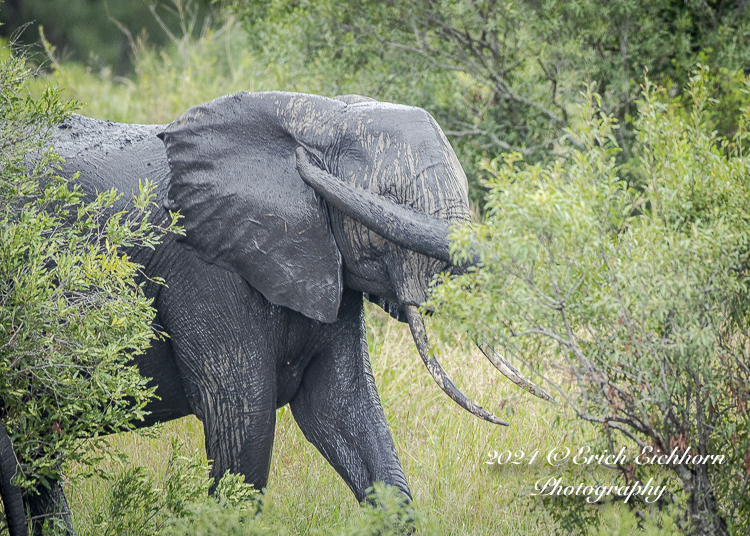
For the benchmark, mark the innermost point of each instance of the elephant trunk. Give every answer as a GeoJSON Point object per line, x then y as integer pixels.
{"type": "Point", "coordinates": [436, 370]}
{"type": "Point", "coordinates": [401, 225]}
{"type": "Point", "coordinates": [418, 232]}
{"type": "Point", "coordinates": [15, 513]}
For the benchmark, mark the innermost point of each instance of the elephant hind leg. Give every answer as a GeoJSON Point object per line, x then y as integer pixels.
{"type": "Point", "coordinates": [47, 504]}
{"type": "Point", "coordinates": [158, 363]}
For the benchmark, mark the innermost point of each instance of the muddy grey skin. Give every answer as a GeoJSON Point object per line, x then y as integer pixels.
{"type": "Point", "coordinates": [295, 207]}
{"type": "Point", "coordinates": [12, 496]}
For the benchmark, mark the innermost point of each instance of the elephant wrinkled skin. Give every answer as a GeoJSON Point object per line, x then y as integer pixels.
{"type": "Point", "coordinates": [295, 207]}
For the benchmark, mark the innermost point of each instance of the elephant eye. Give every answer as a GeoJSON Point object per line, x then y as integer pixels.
{"type": "Point", "coordinates": [316, 160]}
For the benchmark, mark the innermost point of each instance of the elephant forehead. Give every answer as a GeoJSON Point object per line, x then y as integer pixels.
{"type": "Point", "coordinates": [311, 119]}
{"type": "Point", "coordinates": [401, 152]}
{"type": "Point", "coordinates": [390, 149]}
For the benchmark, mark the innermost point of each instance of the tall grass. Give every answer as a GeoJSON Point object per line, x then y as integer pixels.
{"type": "Point", "coordinates": [442, 448]}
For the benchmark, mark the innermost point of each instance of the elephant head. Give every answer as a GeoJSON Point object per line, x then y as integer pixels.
{"type": "Point", "coordinates": [303, 195]}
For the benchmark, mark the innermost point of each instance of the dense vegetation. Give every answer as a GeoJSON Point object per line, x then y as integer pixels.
{"type": "Point", "coordinates": [614, 241]}
{"type": "Point", "coordinates": [70, 312]}
{"type": "Point", "coordinates": [505, 75]}
{"type": "Point", "coordinates": [637, 295]}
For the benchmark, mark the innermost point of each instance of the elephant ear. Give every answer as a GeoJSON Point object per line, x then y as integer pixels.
{"type": "Point", "coordinates": [245, 207]}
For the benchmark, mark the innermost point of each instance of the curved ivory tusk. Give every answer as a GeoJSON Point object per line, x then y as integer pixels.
{"type": "Point", "coordinates": [436, 371]}
{"type": "Point", "coordinates": [510, 372]}
{"type": "Point", "coordinates": [401, 225]}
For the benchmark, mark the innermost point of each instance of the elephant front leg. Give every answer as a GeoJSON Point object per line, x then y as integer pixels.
{"type": "Point", "coordinates": [223, 340]}
{"type": "Point", "coordinates": [231, 388]}
{"type": "Point", "coordinates": [338, 408]}
{"type": "Point", "coordinates": [239, 433]}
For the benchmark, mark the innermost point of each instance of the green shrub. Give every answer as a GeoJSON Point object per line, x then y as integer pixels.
{"type": "Point", "coordinates": [626, 288]}
{"type": "Point", "coordinates": [387, 513]}
{"type": "Point", "coordinates": [177, 504]}
{"type": "Point", "coordinates": [210, 518]}
{"type": "Point", "coordinates": [625, 522]}
{"type": "Point", "coordinates": [70, 313]}
{"type": "Point", "coordinates": [139, 504]}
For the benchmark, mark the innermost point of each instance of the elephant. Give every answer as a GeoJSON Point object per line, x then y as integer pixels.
{"type": "Point", "coordinates": [296, 208]}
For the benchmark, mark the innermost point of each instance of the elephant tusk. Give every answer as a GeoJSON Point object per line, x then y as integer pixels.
{"type": "Point", "coordinates": [401, 225]}
{"type": "Point", "coordinates": [436, 370]}
{"type": "Point", "coordinates": [510, 372]}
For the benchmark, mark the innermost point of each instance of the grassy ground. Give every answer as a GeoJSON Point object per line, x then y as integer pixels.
{"type": "Point", "coordinates": [442, 449]}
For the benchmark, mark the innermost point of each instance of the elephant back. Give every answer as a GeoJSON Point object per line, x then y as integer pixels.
{"type": "Point", "coordinates": [112, 155]}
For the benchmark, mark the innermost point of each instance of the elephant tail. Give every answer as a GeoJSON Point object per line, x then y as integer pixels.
{"type": "Point", "coordinates": [15, 513]}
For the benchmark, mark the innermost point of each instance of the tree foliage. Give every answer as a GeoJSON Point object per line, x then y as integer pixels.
{"type": "Point", "coordinates": [638, 296]}
{"type": "Point", "coordinates": [70, 313]}
{"type": "Point", "coordinates": [504, 75]}
{"type": "Point", "coordinates": [103, 34]}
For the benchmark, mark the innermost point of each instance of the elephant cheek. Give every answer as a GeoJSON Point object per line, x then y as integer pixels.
{"type": "Point", "coordinates": [410, 274]}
